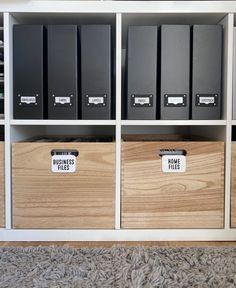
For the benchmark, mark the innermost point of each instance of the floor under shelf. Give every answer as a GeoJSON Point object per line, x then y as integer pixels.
{"type": "Point", "coordinates": [125, 244]}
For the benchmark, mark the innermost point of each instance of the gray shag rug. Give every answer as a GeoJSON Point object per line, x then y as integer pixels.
{"type": "Point", "coordinates": [136, 267]}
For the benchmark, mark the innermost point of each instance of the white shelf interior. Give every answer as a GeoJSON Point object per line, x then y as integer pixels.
{"type": "Point", "coordinates": [167, 18]}
{"type": "Point", "coordinates": [22, 132]}
{"type": "Point", "coordinates": [209, 132]}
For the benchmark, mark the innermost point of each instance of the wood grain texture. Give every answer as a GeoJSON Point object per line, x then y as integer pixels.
{"type": "Point", "coordinates": [2, 182]}
{"type": "Point", "coordinates": [233, 187]}
{"type": "Point", "coordinates": [153, 199]}
{"type": "Point", "coordinates": [84, 199]}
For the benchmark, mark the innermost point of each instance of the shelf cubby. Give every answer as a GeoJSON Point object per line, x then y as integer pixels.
{"type": "Point", "coordinates": [157, 19]}
{"type": "Point", "coordinates": [72, 19]}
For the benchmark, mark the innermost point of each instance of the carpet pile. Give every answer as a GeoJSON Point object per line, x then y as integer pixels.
{"type": "Point", "coordinates": [135, 267]}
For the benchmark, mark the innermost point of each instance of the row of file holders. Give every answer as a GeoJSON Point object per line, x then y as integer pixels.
{"type": "Point", "coordinates": [47, 77]}
{"type": "Point", "coordinates": [172, 181]}
{"type": "Point", "coordinates": [185, 61]}
{"type": "Point", "coordinates": [171, 73]}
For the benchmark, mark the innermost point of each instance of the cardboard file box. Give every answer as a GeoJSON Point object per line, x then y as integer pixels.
{"type": "Point", "coordinates": [63, 183]}
{"type": "Point", "coordinates": [96, 71]}
{"type": "Point", "coordinates": [2, 183]}
{"type": "Point", "coordinates": [172, 183]}
{"type": "Point", "coordinates": [142, 72]}
{"type": "Point", "coordinates": [29, 71]}
{"type": "Point", "coordinates": [62, 72]}
{"type": "Point", "coordinates": [207, 72]}
{"type": "Point", "coordinates": [175, 72]}
{"type": "Point", "coordinates": [233, 187]}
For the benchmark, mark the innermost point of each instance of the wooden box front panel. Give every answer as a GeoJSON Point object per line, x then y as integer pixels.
{"type": "Point", "coordinates": [233, 187]}
{"type": "Point", "coordinates": [84, 199]}
{"type": "Point", "coordinates": [153, 199]}
{"type": "Point", "coordinates": [2, 184]}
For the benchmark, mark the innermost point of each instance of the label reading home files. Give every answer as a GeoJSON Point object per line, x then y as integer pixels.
{"type": "Point", "coordinates": [62, 72]}
{"type": "Point", "coordinates": [207, 72]}
{"type": "Point", "coordinates": [142, 72]}
{"type": "Point", "coordinates": [96, 69]}
{"type": "Point", "coordinates": [173, 163]}
{"type": "Point", "coordinates": [28, 71]}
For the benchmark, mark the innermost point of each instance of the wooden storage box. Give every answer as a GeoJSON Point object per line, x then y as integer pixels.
{"type": "Point", "coordinates": [2, 184]}
{"type": "Point", "coordinates": [233, 187]}
{"type": "Point", "coordinates": [152, 198]}
{"type": "Point", "coordinates": [81, 199]}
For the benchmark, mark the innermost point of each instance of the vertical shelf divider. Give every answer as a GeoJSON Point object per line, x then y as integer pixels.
{"type": "Point", "coordinates": [228, 23]}
{"type": "Point", "coordinates": [7, 24]}
{"type": "Point", "coordinates": [118, 119]}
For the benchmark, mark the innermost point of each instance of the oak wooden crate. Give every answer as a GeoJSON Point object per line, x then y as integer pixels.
{"type": "Point", "coordinates": [154, 199]}
{"type": "Point", "coordinates": [233, 187]}
{"type": "Point", "coordinates": [83, 199]}
{"type": "Point", "coordinates": [2, 182]}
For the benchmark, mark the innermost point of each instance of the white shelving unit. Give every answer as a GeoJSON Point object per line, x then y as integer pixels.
{"type": "Point", "coordinates": [120, 14]}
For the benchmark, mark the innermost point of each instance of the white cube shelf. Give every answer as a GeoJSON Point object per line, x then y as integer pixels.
{"type": "Point", "coordinates": [120, 14]}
